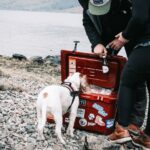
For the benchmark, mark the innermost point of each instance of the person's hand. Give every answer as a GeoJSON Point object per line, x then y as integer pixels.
{"type": "Point", "coordinates": [116, 44]}
{"type": "Point", "coordinates": [119, 42]}
{"type": "Point", "coordinates": [100, 50]}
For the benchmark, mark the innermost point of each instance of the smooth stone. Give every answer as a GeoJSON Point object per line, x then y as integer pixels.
{"type": "Point", "coordinates": [19, 57]}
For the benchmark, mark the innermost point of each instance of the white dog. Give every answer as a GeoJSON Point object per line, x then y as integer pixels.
{"type": "Point", "coordinates": [56, 99]}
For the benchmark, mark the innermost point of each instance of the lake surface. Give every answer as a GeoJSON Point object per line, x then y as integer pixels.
{"type": "Point", "coordinates": [40, 33]}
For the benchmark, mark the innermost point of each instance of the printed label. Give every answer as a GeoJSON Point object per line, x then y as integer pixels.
{"type": "Point", "coordinates": [91, 124]}
{"type": "Point", "coordinates": [66, 120]}
{"type": "Point", "coordinates": [83, 122]}
{"type": "Point", "coordinates": [91, 116]}
{"type": "Point", "coordinates": [72, 71]}
{"type": "Point", "coordinates": [99, 121]}
{"type": "Point", "coordinates": [72, 63]}
{"type": "Point", "coordinates": [80, 113]}
{"type": "Point", "coordinates": [110, 123]}
{"type": "Point", "coordinates": [100, 109]}
{"type": "Point", "coordinates": [72, 66]}
{"type": "Point", "coordinates": [82, 102]}
{"type": "Point", "coordinates": [50, 116]}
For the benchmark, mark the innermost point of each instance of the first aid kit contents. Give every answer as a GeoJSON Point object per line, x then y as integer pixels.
{"type": "Point", "coordinates": [99, 90]}
{"type": "Point", "coordinates": [97, 108]}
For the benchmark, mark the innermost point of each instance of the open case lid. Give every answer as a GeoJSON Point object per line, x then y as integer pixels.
{"type": "Point", "coordinates": [91, 65]}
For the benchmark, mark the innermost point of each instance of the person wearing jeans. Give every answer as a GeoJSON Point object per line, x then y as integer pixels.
{"type": "Point", "coordinates": [136, 70]}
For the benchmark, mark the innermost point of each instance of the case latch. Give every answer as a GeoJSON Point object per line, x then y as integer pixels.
{"type": "Point", "coordinates": [105, 67]}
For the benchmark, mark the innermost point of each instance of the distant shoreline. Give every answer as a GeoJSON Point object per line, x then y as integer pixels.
{"type": "Point", "coordinates": [73, 10]}
{"type": "Point", "coordinates": [39, 5]}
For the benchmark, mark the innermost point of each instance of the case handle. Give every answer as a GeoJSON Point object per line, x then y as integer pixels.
{"type": "Point", "coordinates": [111, 51]}
{"type": "Point", "coordinates": [75, 45]}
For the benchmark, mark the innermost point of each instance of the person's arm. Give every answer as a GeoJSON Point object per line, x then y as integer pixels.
{"type": "Point", "coordinates": [89, 27]}
{"type": "Point", "coordinates": [140, 16]}
{"type": "Point", "coordinates": [91, 31]}
{"type": "Point", "coordinates": [94, 37]}
{"type": "Point", "coordinates": [136, 25]}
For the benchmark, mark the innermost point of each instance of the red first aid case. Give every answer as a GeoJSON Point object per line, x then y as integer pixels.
{"type": "Point", "coordinates": [96, 112]}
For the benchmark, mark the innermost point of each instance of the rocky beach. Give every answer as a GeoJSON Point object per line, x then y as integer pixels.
{"type": "Point", "coordinates": [20, 82]}
{"type": "Point", "coordinates": [21, 79]}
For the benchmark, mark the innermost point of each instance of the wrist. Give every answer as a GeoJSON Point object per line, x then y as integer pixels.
{"type": "Point", "coordinates": [95, 47]}
{"type": "Point", "coordinates": [122, 39]}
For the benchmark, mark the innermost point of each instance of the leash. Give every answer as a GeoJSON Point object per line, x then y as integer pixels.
{"type": "Point", "coordinates": [73, 93]}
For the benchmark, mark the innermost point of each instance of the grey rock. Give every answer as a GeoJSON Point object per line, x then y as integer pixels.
{"type": "Point", "coordinates": [2, 146]}
{"type": "Point", "coordinates": [37, 59]}
{"type": "Point", "coordinates": [49, 148]}
{"type": "Point", "coordinates": [113, 147]}
{"type": "Point", "coordinates": [31, 140]}
{"type": "Point", "coordinates": [30, 129]}
{"type": "Point", "coordinates": [48, 58]}
{"type": "Point", "coordinates": [56, 60]}
{"type": "Point", "coordinates": [19, 147]}
{"type": "Point", "coordinates": [2, 119]}
{"type": "Point", "coordinates": [1, 115]}
{"type": "Point", "coordinates": [30, 146]}
{"type": "Point", "coordinates": [34, 136]}
{"type": "Point", "coordinates": [4, 113]}
{"type": "Point", "coordinates": [130, 145]}
{"type": "Point", "coordinates": [19, 57]}
{"type": "Point", "coordinates": [53, 60]}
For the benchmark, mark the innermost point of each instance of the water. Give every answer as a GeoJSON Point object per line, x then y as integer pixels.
{"type": "Point", "coordinates": [40, 33]}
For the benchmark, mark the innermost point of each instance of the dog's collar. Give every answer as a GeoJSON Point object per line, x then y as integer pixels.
{"type": "Point", "coordinates": [73, 93]}
{"type": "Point", "coordinates": [70, 88]}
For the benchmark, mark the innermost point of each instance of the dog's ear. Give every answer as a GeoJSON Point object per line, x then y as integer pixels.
{"type": "Point", "coordinates": [82, 75]}
{"type": "Point", "coordinates": [68, 78]}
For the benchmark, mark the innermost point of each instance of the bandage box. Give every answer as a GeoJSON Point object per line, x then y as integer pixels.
{"type": "Point", "coordinates": [96, 112]}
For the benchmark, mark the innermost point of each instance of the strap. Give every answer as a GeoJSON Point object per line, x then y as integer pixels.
{"type": "Point", "coordinates": [68, 86]}
{"type": "Point", "coordinates": [71, 102]}
{"type": "Point", "coordinates": [72, 92]}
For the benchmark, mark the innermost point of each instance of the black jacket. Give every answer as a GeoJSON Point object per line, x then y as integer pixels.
{"type": "Point", "coordinates": [102, 29]}
{"type": "Point", "coordinates": [138, 27]}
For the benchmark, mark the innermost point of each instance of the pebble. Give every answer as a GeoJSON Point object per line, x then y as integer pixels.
{"type": "Point", "coordinates": [30, 129]}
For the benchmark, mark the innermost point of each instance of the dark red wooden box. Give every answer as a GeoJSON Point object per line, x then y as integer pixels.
{"type": "Point", "coordinates": [96, 112]}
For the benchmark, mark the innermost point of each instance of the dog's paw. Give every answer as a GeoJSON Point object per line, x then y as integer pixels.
{"type": "Point", "coordinates": [62, 141]}
{"type": "Point", "coordinates": [40, 137]}
{"type": "Point", "coordinates": [70, 132]}
{"type": "Point", "coordinates": [72, 135]}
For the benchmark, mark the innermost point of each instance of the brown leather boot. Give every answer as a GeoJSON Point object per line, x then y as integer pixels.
{"type": "Point", "coordinates": [134, 130]}
{"type": "Point", "coordinates": [120, 135]}
{"type": "Point", "coordinates": [143, 141]}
